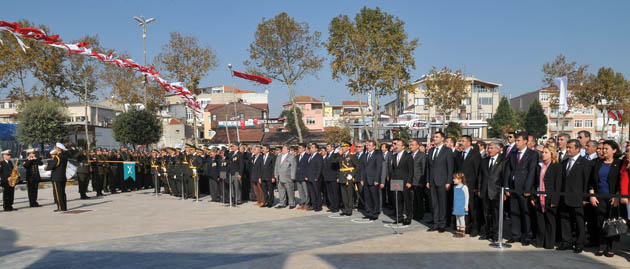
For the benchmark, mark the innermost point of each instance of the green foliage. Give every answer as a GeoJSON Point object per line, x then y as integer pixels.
{"type": "Point", "coordinates": [137, 127]}
{"type": "Point", "coordinates": [445, 90]}
{"type": "Point", "coordinates": [42, 121]}
{"type": "Point", "coordinates": [536, 120]}
{"type": "Point", "coordinates": [503, 119]}
{"type": "Point", "coordinates": [289, 121]}
{"type": "Point", "coordinates": [519, 120]}
{"type": "Point", "coordinates": [403, 133]}
{"type": "Point", "coordinates": [454, 130]}
{"type": "Point", "coordinates": [337, 135]}
{"type": "Point", "coordinates": [285, 50]}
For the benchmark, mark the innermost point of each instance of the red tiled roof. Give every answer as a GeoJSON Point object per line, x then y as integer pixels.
{"type": "Point", "coordinates": [353, 103]}
{"type": "Point", "coordinates": [253, 135]}
{"type": "Point", "coordinates": [304, 99]}
{"type": "Point", "coordinates": [175, 121]}
{"type": "Point", "coordinates": [236, 90]}
{"type": "Point", "coordinates": [211, 107]}
{"type": "Point", "coordinates": [261, 106]}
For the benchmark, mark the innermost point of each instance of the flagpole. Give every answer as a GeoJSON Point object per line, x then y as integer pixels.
{"type": "Point", "coordinates": [238, 135]}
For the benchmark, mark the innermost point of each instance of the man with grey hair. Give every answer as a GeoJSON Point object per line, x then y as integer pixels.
{"type": "Point", "coordinates": [489, 189]}
{"type": "Point", "coordinates": [591, 150]}
{"type": "Point", "coordinates": [285, 174]}
{"type": "Point", "coordinates": [584, 137]}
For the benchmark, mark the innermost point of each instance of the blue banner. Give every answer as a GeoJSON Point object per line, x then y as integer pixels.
{"type": "Point", "coordinates": [130, 170]}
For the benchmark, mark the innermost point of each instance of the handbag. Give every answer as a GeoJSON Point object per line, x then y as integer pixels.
{"type": "Point", "coordinates": [614, 226]}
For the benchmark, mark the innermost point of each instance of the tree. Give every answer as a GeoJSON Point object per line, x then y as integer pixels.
{"type": "Point", "coordinates": [185, 60]}
{"type": "Point", "coordinates": [286, 51]}
{"type": "Point", "coordinates": [454, 130]}
{"type": "Point", "coordinates": [289, 121]}
{"type": "Point", "coordinates": [337, 135]}
{"type": "Point", "coordinates": [373, 54]}
{"type": "Point", "coordinates": [606, 90]}
{"type": "Point", "coordinates": [41, 61]}
{"type": "Point", "coordinates": [445, 91]}
{"type": "Point", "coordinates": [403, 133]}
{"type": "Point", "coordinates": [519, 119]}
{"type": "Point", "coordinates": [83, 76]}
{"type": "Point", "coordinates": [536, 120]}
{"type": "Point", "coordinates": [42, 120]}
{"type": "Point", "coordinates": [137, 127]}
{"type": "Point", "coordinates": [503, 119]}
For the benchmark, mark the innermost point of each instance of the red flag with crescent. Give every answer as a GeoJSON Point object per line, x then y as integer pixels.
{"type": "Point", "coordinates": [259, 79]}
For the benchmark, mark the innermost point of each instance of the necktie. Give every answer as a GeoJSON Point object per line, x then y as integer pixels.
{"type": "Point", "coordinates": [310, 158]}
{"type": "Point", "coordinates": [435, 152]}
{"type": "Point", "coordinates": [560, 155]}
{"type": "Point", "coordinates": [491, 163]}
{"type": "Point", "coordinates": [520, 153]}
{"type": "Point", "coordinates": [569, 164]}
{"type": "Point", "coordinates": [398, 159]}
{"type": "Point", "coordinates": [369, 155]}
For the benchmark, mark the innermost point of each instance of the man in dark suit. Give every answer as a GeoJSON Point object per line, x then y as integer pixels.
{"type": "Point", "coordinates": [440, 178]}
{"type": "Point", "coordinates": [313, 173]}
{"type": "Point", "coordinates": [255, 171]}
{"type": "Point", "coordinates": [419, 180]}
{"type": "Point", "coordinates": [490, 184]}
{"type": "Point", "coordinates": [58, 176]}
{"type": "Point", "coordinates": [267, 175]}
{"type": "Point", "coordinates": [331, 173]}
{"type": "Point", "coordinates": [576, 171]}
{"type": "Point", "coordinates": [467, 161]}
{"type": "Point", "coordinates": [371, 180]}
{"type": "Point", "coordinates": [511, 146]}
{"type": "Point", "coordinates": [6, 167]}
{"type": "Point", "coordinates": [31, 165]}
{"type": "Point", "coordinates": [236, 170]}
{"type": "Point", "coordinates": [300, 174]}
{"type": "Point", "coordinates": [402, 169]}
{"type": "Point", "coordinates": [519, 177]}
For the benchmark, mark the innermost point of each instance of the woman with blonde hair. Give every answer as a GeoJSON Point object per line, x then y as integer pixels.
{"type": "Point", "coordinates": [548, 179]}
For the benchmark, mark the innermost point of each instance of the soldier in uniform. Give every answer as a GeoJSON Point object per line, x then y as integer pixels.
{"type": "Point", "coordinates": [31, 165]}
{"type": "Point", "coordinates": [97, 181]}
{"type": "Point", "coordinates": [196, 164]}
{"type": "Point", "coordinates": [165, 158]}
{"type": "Point", "coordinates": [222, 162]}
{"type": "Point", "coordinates": [154, 162]}
{"type": "Point", "coordinates": [212, 172]}
{"type": "Point", "coordinates": [174, 172]}
{"type": "Point", "coordinates": [58, 165]}
{"type": "Point", "coordinates": [348, 166]}
{"type": "Point", "coordinates": [83, 174]}
{"type": "Point", "coordinates": [102, 171]}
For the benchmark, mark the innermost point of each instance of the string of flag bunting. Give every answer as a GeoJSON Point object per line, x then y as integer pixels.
{"type": "Point", "coordinates": [81, 48]}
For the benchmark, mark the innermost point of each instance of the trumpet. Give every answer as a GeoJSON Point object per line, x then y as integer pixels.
{"type": "Point", "coordinates": [14, 176]}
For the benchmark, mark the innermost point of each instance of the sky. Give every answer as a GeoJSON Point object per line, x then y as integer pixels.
{"type": "Point", "coordinates": [506, 42]}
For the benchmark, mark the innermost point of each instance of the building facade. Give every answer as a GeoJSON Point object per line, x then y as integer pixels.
{"type": "Point", "coordinates": [578, 118]}
{"type": "Point", "coordinates": [312, 112]}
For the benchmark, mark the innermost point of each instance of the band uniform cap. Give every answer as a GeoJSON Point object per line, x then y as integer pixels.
{"type": "Point", "coordinates": [6, 152]}
{"type": "Point", "coordinates": [31, 150]}
{"type": "Point", "coordinates": [61, 146]}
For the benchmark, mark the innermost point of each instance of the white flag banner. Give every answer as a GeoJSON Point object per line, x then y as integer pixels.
{"type": "Point", "coordinates": [561, 83]}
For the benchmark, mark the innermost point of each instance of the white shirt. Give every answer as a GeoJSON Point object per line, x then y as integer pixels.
{"type": "Point", "coordinates": [593, 156]}
{"type": "Point", "coordinates": [571, 162]}
{"type": "Point", "coordinates": [436, 151]}
{"type": "Point", "coordinates": [284, 156]}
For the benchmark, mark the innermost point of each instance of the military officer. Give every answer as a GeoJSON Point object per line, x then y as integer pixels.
{"type": "Point", "coordinates": [348, 165]}
{"type": "Point", "coordinates": [83, 174]}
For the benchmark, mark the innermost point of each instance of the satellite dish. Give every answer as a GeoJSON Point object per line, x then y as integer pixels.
{"type": "Point", "coordinates": [211, 134]}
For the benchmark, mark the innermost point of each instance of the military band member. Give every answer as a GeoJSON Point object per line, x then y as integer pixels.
{"type": "Point", "coordinates": [348, 165]}
{"type": "Point", "coordinates": [154, 169]}
{"type": "Point", "coordinates": [31, 165]}
{"type": "Point", "coordinates": [58, 165]}
{"type": "Point", "coordinates": [6, 168]}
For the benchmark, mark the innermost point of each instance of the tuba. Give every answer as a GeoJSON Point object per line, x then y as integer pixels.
{"type": "Point", "coordinates": [14, 176]}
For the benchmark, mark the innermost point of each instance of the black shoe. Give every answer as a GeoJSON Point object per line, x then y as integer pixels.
{"type": "Point", "coordinates": [85, 198]}
{"type": "Point", "coordinates": [280, 207]}
{"type": "Point", "coordinates": [525, 242]}
{"type": "Point", "coordinates": [365, 217]}
{"type": "Point", "coordinates": [483, 237]}
{"type": "Point", "coordinates": [373, 218]}
{"type": "Point", "coordinates": [510, 241]}
{"type": "Point", "coordinates": [432, 229]}
{"type": "Point", "coordinates": [317, 210]}
{"type": "Point", "coordinates": [609, 254]}
{"type": "Point", "coordinates": [578, 250]}
{"type": "Point", "coordinates": [563, 247]}
{"type": "Point", "coordinates": [35, 205]}
{"type": "Point", "coordinates": [406, 222]}
{"type": "Point", "coordinates": [441, 230]}
{"type": "Point", "coordinates": [599, 253]}
{"type": "Point", "coordinates": [292, 207]}
{"type": "Point", "coordinates": [336, 210]}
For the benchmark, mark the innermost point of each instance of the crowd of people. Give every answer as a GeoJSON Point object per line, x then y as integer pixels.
{"type": "Point", "coordinates": [556, 195]}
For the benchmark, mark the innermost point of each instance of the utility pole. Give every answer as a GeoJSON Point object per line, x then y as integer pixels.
{"type": "Point", "coordinates": [143, 23]}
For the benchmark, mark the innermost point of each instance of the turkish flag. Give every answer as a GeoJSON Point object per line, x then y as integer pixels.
{"type": "Point", "coordinates": [256, 122]}
{"type": "Point", "coordinates": [259, 79]}
{"type": "Point", "coordinates": [242, 125]}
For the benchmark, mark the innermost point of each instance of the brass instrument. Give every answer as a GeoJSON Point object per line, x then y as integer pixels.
{"type": "Point", "coordinates": [15, 175]}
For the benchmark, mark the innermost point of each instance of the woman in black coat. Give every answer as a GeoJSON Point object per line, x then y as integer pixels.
{"type": "Point", "coordinates": [546, 206]}
{"type": "Point", "coordinates": [605, 180]}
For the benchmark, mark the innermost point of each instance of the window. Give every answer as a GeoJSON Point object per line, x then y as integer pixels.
{"type": "Point", "coordinates": [554, 110]}
{"type": "Point", "coordinates": [189, 116]}
{"type": "Point", "coordinates": [485, 115]}
{"type": "Point", "coordinates": [588, 123]}
{"type": "Point", "coordinates": [421, 101]}
{"type": "Point", "coordinates": [588, 111]}
{"type": "Point", "coordinates": [544, 97]}
{"type": "Point", "coordinates": [310, 121]}
{"type": "Point", "coordinates": [214, 117]}
{"type": "Point", "coordinates": [1, 105]}
{"type": "Point", "coordinates": [468, 116]}
{"type": "Point", "coordinates": [567, 123]}
{"type": "Point", "coordinates": [577, 123]}
{"type": "Point", "coordinates": [466, 101]}
{"type": "Point", "coordinates": [241, 116]}
{"type": "Point", "coordinates": [485, 100]}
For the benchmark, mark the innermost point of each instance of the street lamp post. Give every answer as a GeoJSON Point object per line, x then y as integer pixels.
{"type": "Point", "coordinates": [143, 23]}
{"type": "Point", "coordinates": [238, 136]}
